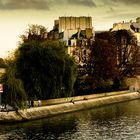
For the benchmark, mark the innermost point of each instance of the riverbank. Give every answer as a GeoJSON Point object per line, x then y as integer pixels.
{"type": "Point", "coordinates": [70, 105]}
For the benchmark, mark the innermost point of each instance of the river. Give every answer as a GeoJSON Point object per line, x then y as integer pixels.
{"type": "Point", "coordinates": [113, 122]}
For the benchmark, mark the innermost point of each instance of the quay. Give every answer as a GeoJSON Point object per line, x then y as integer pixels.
{"type": "Point", "coordinates": [55, 107]}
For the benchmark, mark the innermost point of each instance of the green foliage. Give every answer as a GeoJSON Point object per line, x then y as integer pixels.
{"type": "Point", "coordinates": [2, 63]}
{"type": "Point", "coordinates": [39, 68]}
{"type": "Point", "coordinates": [35, 32]}
{"type": "Point", "coordinates": [45, 69]}
{"type": "Point", "coordinates": [14, 93]}
{"type": "Point", "coordinates": [70, 75]}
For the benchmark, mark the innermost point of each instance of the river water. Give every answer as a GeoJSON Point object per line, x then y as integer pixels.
{"type": "Point", "coordinates": [113, 122]}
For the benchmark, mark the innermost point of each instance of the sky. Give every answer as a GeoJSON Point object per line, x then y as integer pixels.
{"type": "Point", "coordinates": [16, 15]}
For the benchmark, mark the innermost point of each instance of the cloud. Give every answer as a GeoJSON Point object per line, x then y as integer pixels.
{"type": "Point", "coordinates": [85, 3]}
{"type": "Point", "coordinates": [88, 3]}
{"type": "Point", "coordinates": [119, 2]}
{"type": "Point", "coordinates": [126, 2]}
{"type": "Point", "coordinates": [124, 15]}
{"type": "Point", "coordinates": [131, 2]}
{"type": "Point", "coordinates": [41, 4]}
{"type": "Point", "coordinates": [23, 4]}
{"type": "Point", "coordinates": [111, 10]}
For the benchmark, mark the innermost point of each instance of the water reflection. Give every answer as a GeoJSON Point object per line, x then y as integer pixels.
{"type": "Point", "coordinates": [118, 121]}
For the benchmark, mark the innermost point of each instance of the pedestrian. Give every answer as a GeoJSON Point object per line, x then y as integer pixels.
{"type": "Point", "coordinates": [39, 103]}
{"type": "Point", "coordinates": [32, 103]}
{"type": "Point", "coordinates": [29, 103]}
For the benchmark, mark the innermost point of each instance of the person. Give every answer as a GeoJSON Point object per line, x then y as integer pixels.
{"type": "Point", "coordinates": [32, 103]}
{"type": "Point", "coordinates": [29, 103]}
{"type": "Point", "coordinates": [39, 103]}
{"type": "Point", "coordinates": [1, 107]}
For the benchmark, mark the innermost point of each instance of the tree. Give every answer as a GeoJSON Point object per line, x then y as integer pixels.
{"type": "Point", "coordinates": [39, 68]}
{"type": "Point", "coordinates": [69, 77]}
{"type": "Point", "coordinates": [102, 65]}
{"type": "Point", "coordinates": [113, 57]}
{"type": "Point", "coordinates": [35, 32]}
{"type": "Point", "coordinates": [14, 93]}
{"type": "Point", "coordinates": [2, 63]}
{"type": "Point", "coordinates": [44, 68]}
{"type": "Point", "coordinates": [126, 44]}
{"type": "Point", "coordinates": [102, 60]}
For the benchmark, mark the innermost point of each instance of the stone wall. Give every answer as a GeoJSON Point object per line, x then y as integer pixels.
{"type": "Point", "coordinates": [52, 110]}
{"type": "Point", "coordinates": [133, 83]}
{"type": "Point", "coordinates": [78, 98]}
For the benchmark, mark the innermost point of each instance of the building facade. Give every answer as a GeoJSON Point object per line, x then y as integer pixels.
{"type": "Point", "coordinates": [133, 27]}
{"type": "Point", "coordinates": [77, 33]}
{"type": "Point", "coordinates": [74, 23]}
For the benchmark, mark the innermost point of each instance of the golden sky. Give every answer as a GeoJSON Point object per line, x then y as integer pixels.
{"type": "Point", "coordinates": [15, 15]}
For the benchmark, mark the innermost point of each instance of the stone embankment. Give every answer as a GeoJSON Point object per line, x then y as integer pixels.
{"type": "Point", "coordinates": [65, 105]}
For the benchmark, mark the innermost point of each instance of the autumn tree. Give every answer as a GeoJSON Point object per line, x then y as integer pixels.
{"type": "Point", "coordinates": [126, 47]}
{"type": "Point", "coordinates": [102, 60]}
{"type": "Point", "coordinates": [102, 64]}
{"type": "Point", "coordinates": [113, 57]}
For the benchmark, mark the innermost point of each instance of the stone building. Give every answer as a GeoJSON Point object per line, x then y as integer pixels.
{"type": "Point", "coordinates": [74, 23]}
{"type": "Point", "coordinates": [77, 33]}
{"type": "Point", "coordinates": [133, 27]}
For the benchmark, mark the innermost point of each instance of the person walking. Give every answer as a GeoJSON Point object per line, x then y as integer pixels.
{"type": "Point", "coordinates": [32, 103]}
{"type": "Point", "coordinates": [39, 103]}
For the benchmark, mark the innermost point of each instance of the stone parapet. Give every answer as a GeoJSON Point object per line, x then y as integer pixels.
{"type": "Point", "coordinates": [52, 110]}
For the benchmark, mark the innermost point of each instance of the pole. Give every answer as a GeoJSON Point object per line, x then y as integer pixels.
{"type": "Point", "coordinates": [0, 100]}
{"type": "Point", "coordinates": [1, 91]}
